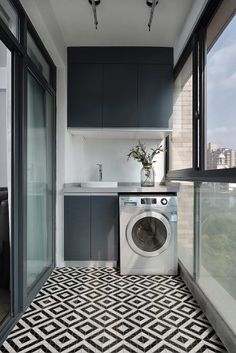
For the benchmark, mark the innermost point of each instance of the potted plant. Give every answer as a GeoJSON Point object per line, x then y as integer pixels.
{"type": "Point", "coordinates": [140, 153]}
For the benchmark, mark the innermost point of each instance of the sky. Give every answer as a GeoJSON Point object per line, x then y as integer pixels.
{"type": "Point", "coordinates": [221, 89]}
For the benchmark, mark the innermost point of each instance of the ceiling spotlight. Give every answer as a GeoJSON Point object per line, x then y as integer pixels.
{"type": "Point", "coordinates": [152, 4]}
{"type": "Point", "coordinates": [94, 3]}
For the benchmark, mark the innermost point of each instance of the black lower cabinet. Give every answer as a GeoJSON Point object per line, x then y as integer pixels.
{"type": "Point", "coordinates": [104, 228]}
{"type": "Point", "coordinates": [91, 228]}
{"type": "Point", "coordinates": [76, 228]}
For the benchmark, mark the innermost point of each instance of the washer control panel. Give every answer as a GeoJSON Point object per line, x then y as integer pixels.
{"type": "Point", "coordinates": [164, 201]}
{"type": "Point", "coordinates": [148, 201]}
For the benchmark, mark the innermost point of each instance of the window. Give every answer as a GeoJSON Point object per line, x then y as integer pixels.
{"type": "Point", "coordinates": [221, 97]}
{"type": "Point", "coordinates": [181, 141]}
{"type": "Point", "coordinates": [206, 205]}
{"type": "Point", "coordinates": [37, 57]}
{"type": "Point", "coordinates": [9, 16]}
{"type": "Point", "coordinates": [218, 247]}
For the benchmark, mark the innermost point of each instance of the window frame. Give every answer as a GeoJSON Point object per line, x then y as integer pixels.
{"type": "Point", "coordinates": [189, 50]}
{"type": "Point", "coordinates": [197, 42]}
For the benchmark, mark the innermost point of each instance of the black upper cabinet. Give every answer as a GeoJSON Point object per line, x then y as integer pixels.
{"type": "Point", "coordinates": [85, 83]}
{"type": "Point", "coordinates": [155, 95]}
{"type": "Point", "coordinates": [120, 95]}
{"type": "Point", "coordinates": [120, 87]}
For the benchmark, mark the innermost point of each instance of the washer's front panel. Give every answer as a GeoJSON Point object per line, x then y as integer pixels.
{"type": "Point", "coordinates": [148, 243]}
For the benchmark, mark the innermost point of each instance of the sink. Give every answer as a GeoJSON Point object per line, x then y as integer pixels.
{"type": "Point", "coordinates": [99, 184]}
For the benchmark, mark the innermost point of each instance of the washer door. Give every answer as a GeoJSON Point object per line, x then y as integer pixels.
{"type": "Point", "coordinates": [148, 234]}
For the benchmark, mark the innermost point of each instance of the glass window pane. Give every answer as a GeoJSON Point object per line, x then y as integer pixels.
{"type": "Point", "coordinates": [5, 180]}
{"type": "Point", "coordinates": [218, 247]}
{"type": "Point", "coordinates": [37, 57]}
{"type": "Point", "coordinates": [221, 102]}
{"type": "Point", "coordinates": [186, 225]}
{"type": "Point", "coordinates": [9, 16]}
{"type": "Point", "coordinates": [39, 181]}
{"type": "Point", "coordinates": [181, 141]}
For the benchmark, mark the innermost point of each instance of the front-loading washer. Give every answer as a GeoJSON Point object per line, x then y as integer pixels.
{"type": "Point", "coordinates": [148, 234]}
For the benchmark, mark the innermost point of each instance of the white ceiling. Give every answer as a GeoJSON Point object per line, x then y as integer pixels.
{"type": "Point", "coordinates": [120, 22]}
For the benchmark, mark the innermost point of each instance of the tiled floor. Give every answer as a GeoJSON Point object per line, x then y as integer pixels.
{"type": "Point", "coordinates": [98, 310]}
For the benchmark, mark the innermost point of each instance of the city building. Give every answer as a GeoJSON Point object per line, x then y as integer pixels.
{"type": "Point", "coordinates": [219, 157]}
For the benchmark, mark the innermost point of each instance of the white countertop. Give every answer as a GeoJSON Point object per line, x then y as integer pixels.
{"type": "Point", "coordinates": [75, 188]}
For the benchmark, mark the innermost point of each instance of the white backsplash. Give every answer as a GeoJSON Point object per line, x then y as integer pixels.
{"type": "Point", "coordinates": [82, 155]}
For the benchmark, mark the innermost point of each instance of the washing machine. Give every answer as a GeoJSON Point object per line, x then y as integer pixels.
{"type": "Point", "coordinates": [148, 234]}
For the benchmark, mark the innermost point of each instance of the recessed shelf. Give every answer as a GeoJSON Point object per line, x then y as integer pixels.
{"type": "Point", "coordinates": [119, 133]}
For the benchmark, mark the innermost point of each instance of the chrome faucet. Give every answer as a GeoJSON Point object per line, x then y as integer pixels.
{"type": "Point", "coordinates": [99, 171]}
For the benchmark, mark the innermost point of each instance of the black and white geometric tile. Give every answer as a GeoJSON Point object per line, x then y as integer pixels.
{"type": "Point", "coordinates": [81, 310]}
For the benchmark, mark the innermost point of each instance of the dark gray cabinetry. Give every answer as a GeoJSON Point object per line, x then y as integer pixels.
{"type": "Point", "coordinates": [120, 95]}
{"type": "Point", "coordinates": [76, 228]}
{"type": "Point", "coordinates": [85, 83]}
{"type": "Point", "coordinates": [91, 228]}
{"type": "Point", "coordinates": [120, 87]}
{"type": "Point", "coordinates": [155, 95]}
{"type": "Point", "coordinates": [104, 228]}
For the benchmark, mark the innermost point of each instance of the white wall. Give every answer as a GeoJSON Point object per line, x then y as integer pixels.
{"type": "Point", "coordinates": [188, 27]}
{"type": "Point", "coordinates": [82, 155]}
{"type": "Point", "coordinates": [44, 21]}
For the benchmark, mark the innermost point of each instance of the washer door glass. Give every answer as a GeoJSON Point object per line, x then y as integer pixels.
{"type": "Point", "coordinates": [149, 233]}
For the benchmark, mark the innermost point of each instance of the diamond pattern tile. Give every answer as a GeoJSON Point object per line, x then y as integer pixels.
{"type": "Point", "coordinates": [93, 310]}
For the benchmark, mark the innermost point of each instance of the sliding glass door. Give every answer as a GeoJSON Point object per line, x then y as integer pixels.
{"type": "Point", "coordinates": [27, 163]}
{"type": "Point", "coordinates": [39, 180]}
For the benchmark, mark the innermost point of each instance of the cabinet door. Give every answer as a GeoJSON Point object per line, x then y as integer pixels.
{"type": "Point", "coordinates": [120, 95]}
{"type": "Point", "coordinates": [85, 95]}
{"type": "Point", "coordinates": [155, 90]}
{"type": "Point", "coordinates": [76, 228]}
{"type": "Point", "coordinates": [104, 228]}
